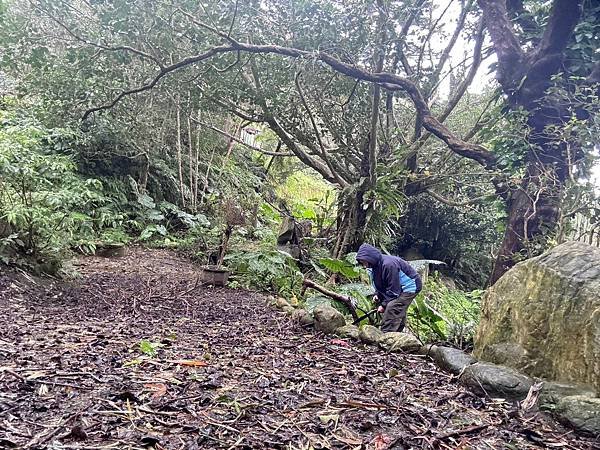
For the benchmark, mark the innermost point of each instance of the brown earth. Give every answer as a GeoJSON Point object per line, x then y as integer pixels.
{"type": "Point", "coordinates": [229, 373]}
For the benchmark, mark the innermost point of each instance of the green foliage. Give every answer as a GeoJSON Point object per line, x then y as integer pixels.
{"type": "Point", "coordinates": [149, 348]}
{"type": "Point", "coordinates": [461, 237]}
{"type": "Point", "coordinates": [346, 267]}
{"type": "Point", "coordinates": [43, 201]}
{"type": "Point", "coordinates": [439, 313]}
{"type": "Point", "coordinates": [269, 270]}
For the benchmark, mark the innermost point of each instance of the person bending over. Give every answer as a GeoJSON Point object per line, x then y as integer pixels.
{"type": "Point", "coordinates": [396, 283]}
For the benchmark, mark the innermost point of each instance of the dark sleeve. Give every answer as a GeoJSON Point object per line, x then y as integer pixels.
{"type": "Point", "coordinates": [391, 280]}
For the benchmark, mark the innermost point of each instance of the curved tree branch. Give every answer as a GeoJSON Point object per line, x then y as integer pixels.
{"type": "Point", "coordinates": [388, 80]}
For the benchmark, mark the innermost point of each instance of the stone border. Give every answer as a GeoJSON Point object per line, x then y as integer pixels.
{"type": "Point", "coordinates": [572, 405]}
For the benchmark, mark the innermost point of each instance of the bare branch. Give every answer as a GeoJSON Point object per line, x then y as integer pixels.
{"type": "Point", "coordinates": [323, 152]}
{"type": "Point", "coordinates": [451, 43]}
{"type": "Point", "coordinates": [164, 71]}
{"type": "Point", "coordinates": [466, 82]}
{"type": "Point", "coordinates": [449, 202]}
{"type": "Point", "coordinates": [101, 46]}
{"type": "Point", "coordinates": [239, 141]}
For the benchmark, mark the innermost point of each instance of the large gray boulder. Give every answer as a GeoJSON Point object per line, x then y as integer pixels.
{"type": "Point", "coordinates": [580, 412]}
{"type": "Point", "coordinates": [496, 381]}
{"type": "Point", "coordinates": [543, 316]}
{"type": "Point", "coordinates": [451, 359]}
{"type": "Point", "coordinates": [396, 342]}
{"type": "Point", "coordinates": [327, 319]}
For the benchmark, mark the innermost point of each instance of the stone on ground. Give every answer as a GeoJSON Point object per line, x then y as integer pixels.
{"type": "Point", "coordinates": [348, 331]}
{"type": "Point", "coordinates": [543, 316]}
{"type": "Point", "coordinates": [451, 359]}
{"type": "Point", "coordinates": [369, 334]}
{"type": "Point", "coordinates": [496, 381]}
{"type": "Point", "coordinates": [580, 412]}
{"type": "Point", "coordinates": [303, 317]}
{"type": "Point", "coordinates": [553, 392]}
{"type": "Point", "coordinates": [399, 342]}
{"type": "Point", "coordinates": [282, 303]}
{"type": "Point", "coordinates": [328, 319]}
{"type": "Point", "coordinates": [289, 310]}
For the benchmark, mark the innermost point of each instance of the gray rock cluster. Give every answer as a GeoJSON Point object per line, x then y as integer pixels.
{"type": "Point", "coordinates": [573, 404]}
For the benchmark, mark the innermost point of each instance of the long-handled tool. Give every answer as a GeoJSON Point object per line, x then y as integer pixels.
{"type": "Point", "coordinates": [367, 315]}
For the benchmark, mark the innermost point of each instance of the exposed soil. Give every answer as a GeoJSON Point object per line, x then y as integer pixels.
{"type": "Point", "coordinates": [229, 373]}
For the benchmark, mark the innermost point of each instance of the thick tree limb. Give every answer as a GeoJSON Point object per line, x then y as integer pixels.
{"type": "Point", "coordinates": [334, 295]}
{"type": "Point", "coordinates": [390, 81]}
{"type": "Point", "coordinates": [563, 18]}
{"type": "Point", "coordinates": [510, 55]}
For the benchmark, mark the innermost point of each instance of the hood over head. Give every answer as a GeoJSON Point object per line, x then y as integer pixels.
{"type": "Point", "coordinates": [369, 254]}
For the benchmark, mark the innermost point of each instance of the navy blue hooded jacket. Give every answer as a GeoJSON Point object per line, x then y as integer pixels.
{"type": "Point", "coordinates": [391, 275]}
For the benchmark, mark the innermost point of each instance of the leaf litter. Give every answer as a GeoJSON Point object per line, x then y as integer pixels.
{"type": "Point", "coordinates": [137, 354]}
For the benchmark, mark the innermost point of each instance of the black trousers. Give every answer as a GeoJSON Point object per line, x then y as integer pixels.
{"type": "Point", "coordinates": [394, 316]}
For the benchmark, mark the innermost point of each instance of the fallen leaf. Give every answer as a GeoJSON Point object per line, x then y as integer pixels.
{"type": "Point", "coordinates": [157, 389]}
{"type": "Point", "coordinates": [381, 442]}
{"type": "Point", "coordinates": [329, 418]}
{"type": "Point", "coordinates": [340, 342]}
{"type": "Point", "coordinates": [191, 362]}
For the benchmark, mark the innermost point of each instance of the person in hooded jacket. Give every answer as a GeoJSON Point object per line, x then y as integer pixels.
{"type": "Point", "coordinates": [396, 283]}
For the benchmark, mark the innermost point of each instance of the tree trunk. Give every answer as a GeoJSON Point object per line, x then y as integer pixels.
{"type": "Point", "coordinates": [533, 208]}
{"type": "Point", "coordinates": [179, 163]}
{"type": "Point", "coordinates": [352, 220]}
{"type": "Point", "coordinates": [143, 180]}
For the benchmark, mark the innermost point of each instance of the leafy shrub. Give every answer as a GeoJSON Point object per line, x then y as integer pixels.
{"type": "Point", "coordinates": [442, 314]}
{"type": "Point", "coordinates": [270, 270]}
{"type": "Point", "coordinates": [44, 203]}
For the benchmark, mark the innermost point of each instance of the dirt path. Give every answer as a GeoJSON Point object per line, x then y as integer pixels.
{"type": "Point", "coordinates": [229, 373]}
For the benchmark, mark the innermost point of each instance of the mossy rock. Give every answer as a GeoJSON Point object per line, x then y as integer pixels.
{"type": "Point", "coordinates": [492, 380]}
{"type": "Point", "coordinates": [370, 334]}
{"type": "Point", "coordinates": [328, 319]}
{"type": "Point", "coordinates": [580, 412]}
{"type": "Point", "coordinates": [348, 331]}
{"type": "Point", "coordinates": [451, 359]}
{"type": "Point", "coordinates": [397, 342]}
{"type": "Point", "coordinates": [282, 303]}
{"type": "Point", "coordinates": [553, 392]}
{"type": "Point", "coordinates": [303, 317]}
{"type": "Point", "coordinates": [542, 317]}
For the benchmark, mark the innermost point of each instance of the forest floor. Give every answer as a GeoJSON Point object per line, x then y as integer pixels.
{"type": "Point", "coordinates": [229, 372]}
